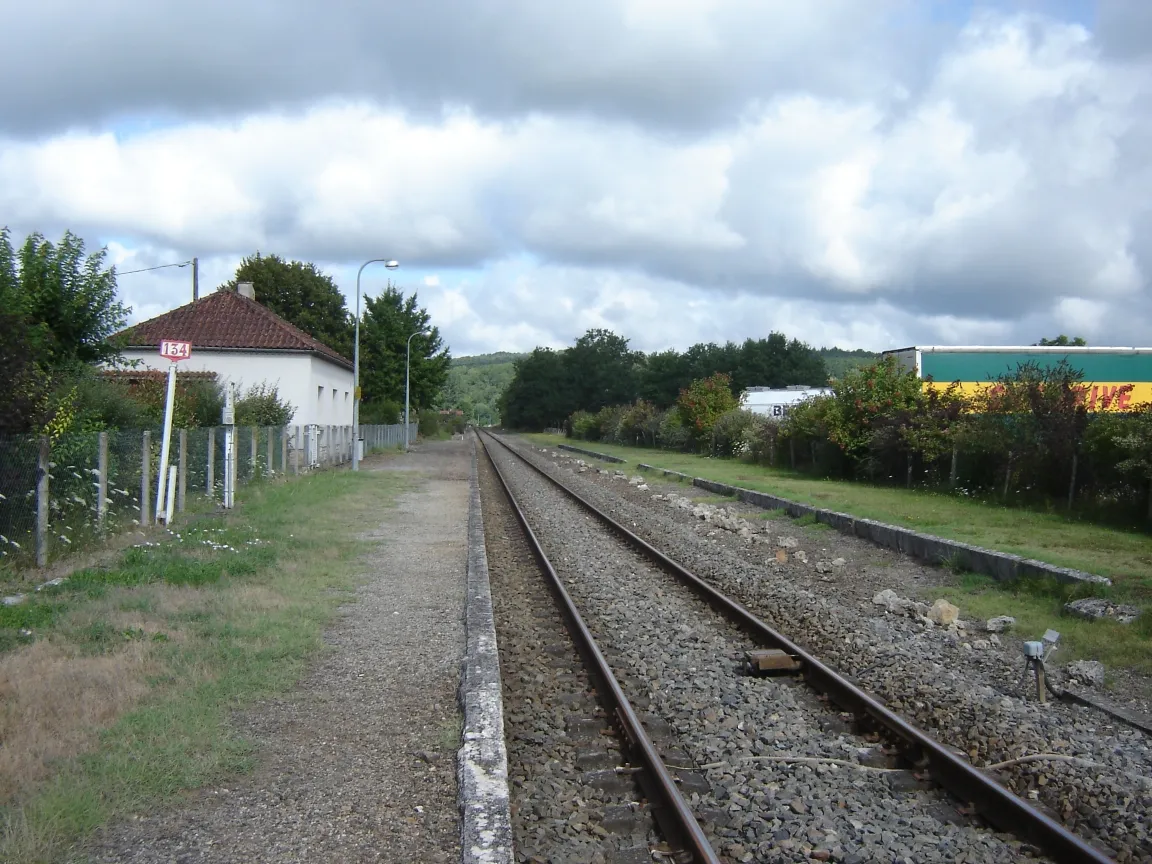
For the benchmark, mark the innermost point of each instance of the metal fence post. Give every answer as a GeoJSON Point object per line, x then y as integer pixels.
{"type": "Point", "coordinates": [297, 444]}
{"type": "Point", "coordinates": [42, 503]}
{"type": "Point", "coordinates": [210, 483]}
{"type": "Point", "coordinates": [145, 478]}
{"type": "Point", "coordinates": [255, 451]}
{"type": "Point", "coordinates": [102, 481]}
{"type": "Point", "coordinates": [271, 460]}
{"type": "Point", "coordinates": [284, 450]}
{"type": "Point", "coordinates": [182, 489]}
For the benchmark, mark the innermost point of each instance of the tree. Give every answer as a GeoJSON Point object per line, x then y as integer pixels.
{"type": "Point", "coordinates": [703, 402]}
{"type": "Point", "coordinates": [58, 310]}
{"type": "Point", "coordinates": [68, 300]}
{"type": "Point", "coordinates": [602, 370]}
{"type": "Point", "coordinates": [540, 394]}
{"type": "Point", "coordinates": [300, 294]}
{"type": "Point", "coordinates": [388, 322]}
{"type": "Point", "coordinates": [661, 377]}
{"type": "Point", "coordinates": [1062, 340]}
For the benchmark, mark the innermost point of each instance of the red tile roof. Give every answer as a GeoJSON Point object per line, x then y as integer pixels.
{"type": "Point", "coordinates": [225, 319]}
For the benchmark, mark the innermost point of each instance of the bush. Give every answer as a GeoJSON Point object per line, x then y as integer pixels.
{"type": "Point", "coordinates": [261, 405]}
{"type": "Point", "coordinates": [383, 413]}
{"type": "Point", "coordinates": [638, 424]}
{"type": "Point", "coordinates": [760, 440]}
{"type": "Point", "coordinates": [583, 426]}
{"type": "Point", "coordinates": [673, 434]}
{"type": "Point", "coordinates": [728, 432]}
{"type": "Point", "coordinates": [429, 420]}
{"type": "Point", "coordinates": [702, 403]}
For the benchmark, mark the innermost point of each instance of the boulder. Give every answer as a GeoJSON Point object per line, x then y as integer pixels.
{"type": "Point", "coordinates": [1097, 608]}
{"type": "Point", "coordinates": [892, 601]}
{"type": "Point", "coordinates": [1000, 623]}
{"type": "Point", "coordinates": [1090, 672]}
{"type": "Point", "coordinates": [943, 613]}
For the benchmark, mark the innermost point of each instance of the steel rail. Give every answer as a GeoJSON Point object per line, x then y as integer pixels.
{"type": "Point", "coordinates": [995, 802]}
{"type": "Point", "coordinates": [684, 826]}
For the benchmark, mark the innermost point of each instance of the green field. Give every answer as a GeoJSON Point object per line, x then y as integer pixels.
{"type": "Point", "coordinates": [116, 687]}
{"type": "Point", "coordinates": [1125, 557]}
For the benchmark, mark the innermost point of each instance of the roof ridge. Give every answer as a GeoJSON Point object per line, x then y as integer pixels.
{"type": "Point", "coordinates": [285, 324]}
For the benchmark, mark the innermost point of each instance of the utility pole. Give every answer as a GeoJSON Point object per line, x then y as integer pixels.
{"type": "Point", "coordinates": [195, 278]}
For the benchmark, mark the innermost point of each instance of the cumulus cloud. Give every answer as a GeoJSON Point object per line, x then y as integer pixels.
{"type": "Point", "coordinates": [675, 171]}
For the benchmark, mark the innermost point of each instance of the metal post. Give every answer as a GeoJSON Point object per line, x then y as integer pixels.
{"type": "Point", "coordinates": [391, 265]}
{"type": "Point", "coordinates": [195, 278]}
{"type": "Point", "coordinates": [171, 495]}
{"type": "Point", "coordinates": [255, 450]}
{"type": "Point", "coordinates": [182, 491]}
{"type": "Point", "coordinates": [271, 461]}
{"type": "Point", "coordinates": [102, 481]}
{"type": "Point", "coordinates": [42, 502]}
{"type": "Point", "coordinates": [210, 484]}
{"type": "Point", "coordinates": [146, 479]}
{"type": "Point", "coordinates": [166, 445]}
{"type": "Point", "coordinates": [284, 450]}
{"type": "Point", "coordinates": [407, 369]}
{"type": "Point", "coordinates": [298, 443]}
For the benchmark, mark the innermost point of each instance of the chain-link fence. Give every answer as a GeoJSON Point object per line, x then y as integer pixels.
{"type": "Point", "coordinates": [59, 494]}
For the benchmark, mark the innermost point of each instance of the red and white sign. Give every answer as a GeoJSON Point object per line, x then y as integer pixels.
{"type": "Point", "coordinates": [175, 351]}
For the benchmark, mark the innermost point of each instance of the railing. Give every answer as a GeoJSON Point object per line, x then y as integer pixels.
{"type": "Point", "coordinates": [61, 493]}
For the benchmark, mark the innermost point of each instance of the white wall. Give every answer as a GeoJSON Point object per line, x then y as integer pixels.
{"type": "Point", "coordinates": [297, 376]}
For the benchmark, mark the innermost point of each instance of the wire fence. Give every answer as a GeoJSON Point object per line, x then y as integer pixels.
{"type": "Point", "coordinates": [64, 493]}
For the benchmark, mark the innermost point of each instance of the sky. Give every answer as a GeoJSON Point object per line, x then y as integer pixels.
{"type": "Point", "coordinates": [862, 174]}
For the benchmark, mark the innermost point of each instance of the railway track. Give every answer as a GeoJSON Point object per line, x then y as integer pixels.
{"type": "Point", "coordinates": [802, 764]}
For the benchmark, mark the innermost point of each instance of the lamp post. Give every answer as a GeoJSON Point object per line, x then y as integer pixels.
{"type": "Point", "coordinates": [391, 265]}
{"type": "Point", "coordinates": [407, 367]}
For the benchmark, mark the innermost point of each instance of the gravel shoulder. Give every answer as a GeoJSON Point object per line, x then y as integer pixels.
{"type": "Point", "coordinates": [955, 682]}
{"type": "Point", "coordinates": [357, 764]}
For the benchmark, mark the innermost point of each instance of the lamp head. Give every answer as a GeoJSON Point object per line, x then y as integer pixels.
{"type": "Point", "coordinates": [391, 265]}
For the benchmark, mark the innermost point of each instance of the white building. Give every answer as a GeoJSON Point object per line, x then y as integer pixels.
{"type": "Point", "coordinates": [245, 343]}
{"type": "Point", "coordinates": [776, 403]}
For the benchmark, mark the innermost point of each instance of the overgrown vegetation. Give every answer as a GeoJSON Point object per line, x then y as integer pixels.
{"type": "Point", "coordinates": [116, 687]}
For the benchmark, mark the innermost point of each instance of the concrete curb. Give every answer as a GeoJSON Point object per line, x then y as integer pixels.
{"type": "Point", "coordinates": [604, 457]}
{"type": "Point", "coordinates": [485, 823]}
{"type": "Point", "coordinates": [1002, 566]}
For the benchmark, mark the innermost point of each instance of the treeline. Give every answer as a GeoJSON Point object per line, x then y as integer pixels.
{"type": "Point", "coordinates": [600, 370]}
{"type": "Point", "coordinates": [1027, 438]}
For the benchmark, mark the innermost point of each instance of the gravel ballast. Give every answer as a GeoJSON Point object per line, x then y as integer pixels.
{"type": "Point", "coordinates": [356, 764]}
{"type": "Point", "coordinates": [785, 778]}
{"type": "Point", "coordinates": [955, 682]}
{"type": "Point", "coordinates": [561, 746]}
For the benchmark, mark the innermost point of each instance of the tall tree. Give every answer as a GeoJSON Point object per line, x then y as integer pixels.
{"type": "Point", "coordinates": [540, 394]}
{"type": "Point", "coordinates": [602, 370]}
{"type": "Point", "coordinates": [302, 295]}
{"type": "Point", "coordinates": [388, 322]}
{"type": "Point", "coordinates": [662, 376]}
{"type": "Point", "coordinates": [69, 300]}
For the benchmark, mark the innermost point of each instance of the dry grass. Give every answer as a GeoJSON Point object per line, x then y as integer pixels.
{"type": "Point", "coordinates": [55, 701]}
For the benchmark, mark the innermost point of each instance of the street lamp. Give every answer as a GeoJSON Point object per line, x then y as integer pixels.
{"type": "Point", "coordinates": [407, 365]}
{"type": "Point", "coordinates": [391, 265]}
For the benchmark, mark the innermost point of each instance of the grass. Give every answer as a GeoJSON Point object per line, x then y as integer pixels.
{"type": "Point", "coordinates": [120, 698]}
{"type": "Point", "coordinates": [1123, 556]}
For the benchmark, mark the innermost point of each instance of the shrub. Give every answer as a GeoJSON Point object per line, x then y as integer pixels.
{"type": "Point", "coordinates": [760, 440]}
{"type": "Point", "coordinates": [382, 413]}
{"type": "Point", "coordinates": [261, 405]}
{"type": "Point", "coordinates": [583, 426]}
{"type": "Point", "coordinates": [429, 420]}
{"type": "Point", "coordinates": [638, 424]}
{"type": "Point", "coordinates": [729, 431]}
{"type": "Point", "coordinates": [702, 403]}
{"type": "Point", "coordinates": [673, 434]}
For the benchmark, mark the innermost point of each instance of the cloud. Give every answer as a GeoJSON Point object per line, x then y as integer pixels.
{"type": "Point", "coordinates": [678, 64]}
{"type": "Point", "coordinates": [675, 171]}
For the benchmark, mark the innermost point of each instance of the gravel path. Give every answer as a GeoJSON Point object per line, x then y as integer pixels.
{"type": "Point", "coordinates": [954, 682]}
{"type": "Point", "coordinates": [737, 728]}
{"type": "Point", "coordinates": [356, 765]}
{"type": "Point", "coordinates": [565, 808]}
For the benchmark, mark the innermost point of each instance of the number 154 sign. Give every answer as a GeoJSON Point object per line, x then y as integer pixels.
{"type": "Point", "coordinates": [175, 351]}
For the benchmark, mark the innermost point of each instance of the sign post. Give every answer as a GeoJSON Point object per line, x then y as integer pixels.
{"type": "Point", "coordinates": [174, 351]}
{"type": "Point", "coordinates": [229, 422]}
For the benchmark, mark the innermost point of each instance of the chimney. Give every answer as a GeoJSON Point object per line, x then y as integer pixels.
{"type": "Point", "coordinates": [245, 289]}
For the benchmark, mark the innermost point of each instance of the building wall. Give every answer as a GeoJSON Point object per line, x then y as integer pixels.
{"type": "Point", "coordinates": [1114, 378]}
{"type": "Point", "coordinates": [299, 378]}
